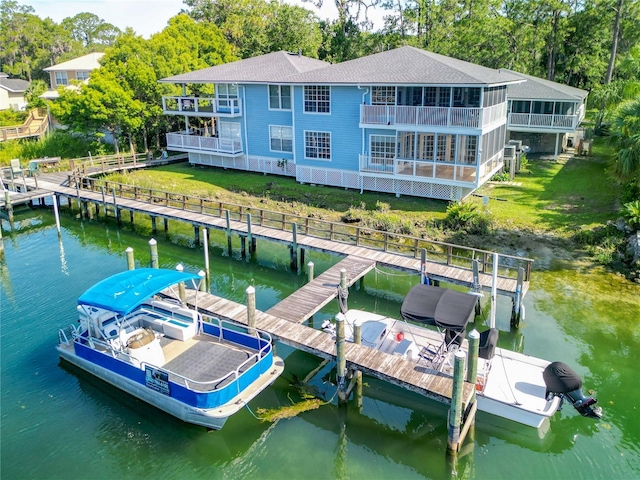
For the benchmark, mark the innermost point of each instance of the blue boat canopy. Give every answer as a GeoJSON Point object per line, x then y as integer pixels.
{"type": "Point", "coordinates": [123, 292]}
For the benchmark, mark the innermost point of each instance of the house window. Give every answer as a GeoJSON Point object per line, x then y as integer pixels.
{"type": "Point", "coordinates": [520, 106]}
{"type": "Point", "coordinates": [281, 138]}
{"type": "Point", "coordinates": [383, 95]}
{"type": "Point", "coordinates": [82, 75]}
{"type": "Point", "coordinates": [466, 97]}
{"type": "Point", "coordinates": [279, 97]}
{"type": "Point", "coordinates": [61, 78]}
{"type": "Point", "coordinates": [383, 149]}
{"type": "Point", "coordinates": [226, 93]}
{"type": "Point", "coordinates": [317, 99]}
{"type": "Point", "coordinates": [317, 145]}
{"type": "Point", "coordinates": [229, 130]}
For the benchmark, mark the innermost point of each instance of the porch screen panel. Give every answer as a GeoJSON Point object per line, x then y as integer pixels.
{"type": "Point", "coordinates": [406, 147]}
{"type": "Point", "coordinates": [383, 149]}
{"type": "Point", "coordinates": [425, 147]}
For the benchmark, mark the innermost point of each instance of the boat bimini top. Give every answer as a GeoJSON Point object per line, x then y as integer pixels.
{"type": "Point", "coordinates": [441, 307]}
{"type": "Point", "coordinates": [124, 292]}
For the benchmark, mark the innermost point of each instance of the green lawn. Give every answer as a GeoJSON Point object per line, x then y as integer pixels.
{"type": "Point", "coordinates": [548, 197]}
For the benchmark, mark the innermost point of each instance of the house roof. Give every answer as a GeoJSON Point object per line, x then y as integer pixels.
{"type": "Point", "coordinates": [540, 89]}
{"type": "Point", "coordinates": [272, 67]}
{"type": "Point", "coordinates": [86, 62]}
{"type": "Point", "coordinates": [405, 65]}
{"type": "Point", "coordinates": [409, 66]}
{"type": "Point", "coordinates": [15, 85]}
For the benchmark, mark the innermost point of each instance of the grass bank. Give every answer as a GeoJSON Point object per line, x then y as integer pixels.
{"type": "Point", "coordinates": [552, 209]}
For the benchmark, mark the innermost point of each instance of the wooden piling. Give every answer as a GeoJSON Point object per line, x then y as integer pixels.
{"type": "Point", "coordinates": [166, 225]}
{"type": "Point", "coordinates": [302, 253]}
{"type": "Point", "coordinates": [56, 213]}
{"type": "Point", "coordinates": [130, 261]}
{"type": "Point", "coordinates": [251, 309]}
{"type": "Point", "coordinates": [357, 339]}
{"type": "Point", "coordinates": [293, 249]}
{"type": "Point", "coordinates": [205, 238]}
{"type": "Point", "coordinates": [243, 246]}
{"type": "Point", "coordinates": [104, 201]}
{"type": "Point", "coordinates": [250, 238]}
{"type": "Point", "coordinates": [518, 309]}
{"type": "Point", "coordinates": [7, 205]}
{"type": "Point", "coordinates": [494, 291]}
{"type": "Point", "coordinates": [181, 288]}
{"type": "Point", "coordinates": [423, 266]}
{"type": "Point", "coordinates": [154, 230]}
{"type": "Point", "coordinates": [116, 210]}
{"type": "Point", "coordinates": [341, 362]}
{"type": "Point", "coordinates": [153, 249]}
{"type": "Point", "coordinates": [229, 249]}
{"type": "Point", "coordinates": [309, 271]}
{"type": "Point", "coordinates": [472, 367]}
{"type": "Point", "coordinates": [477, 287]}
{"type": "Point", "coordinates": [202, 286]}
{"type": "Point", "coordinates": [196, 235]}
{"type": "Point", "coordinates": [455, 412]}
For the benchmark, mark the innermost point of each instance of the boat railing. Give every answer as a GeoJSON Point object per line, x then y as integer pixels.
{"type": "Point", "coordinates": [66, 335]}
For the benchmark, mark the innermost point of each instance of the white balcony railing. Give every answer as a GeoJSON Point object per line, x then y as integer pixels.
{"type": "Point", "coordinates": [188, 142]}
{"type": "Point", "coordinates": [470, 117]}
{"type": "Point", "coordinates": [419, 169]}
{"type": "Point", "coordinates": [202, 106]}
{"type": "Point", "coordinates": [539, 120]}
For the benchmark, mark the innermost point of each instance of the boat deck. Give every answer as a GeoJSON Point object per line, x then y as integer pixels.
{"type": "Point", "coordinates": [204, 359]}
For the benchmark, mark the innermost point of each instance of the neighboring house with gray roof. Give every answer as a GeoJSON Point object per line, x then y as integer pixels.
{"type": "Point", "coordinates": [544, 115]}
{"type": "Point", "coordinates": [12, 92]}
{"type": "Point", "coordinates": [404, 121]}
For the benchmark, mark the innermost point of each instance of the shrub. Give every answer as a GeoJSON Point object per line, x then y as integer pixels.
{"type": "Point", "coordinates": [501, 177]}
{"type": "Point", "coordinates": [466, 217]}
{"type": "Point", "coordinates": [631, 213]}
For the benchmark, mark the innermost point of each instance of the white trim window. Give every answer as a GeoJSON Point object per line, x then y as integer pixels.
{"type": "Point", "coordinates": [61, 78]}
{"type": "Point", "coordinates": [279, 97]}
{"type": "Point", "coordinates": [280, 138]}
{"type": "Point", "coordinates": [82, 75]}
{"type": "Point", "coordinates": [226, 93]}
{"type": "Point", "coordinates": [383, 95]}
{"type": "Point", "coordinates": [317, 145]}
{"type": "Point", "coordinates": [317, 99]}
{"type": "Point", "coordinates": [383, 149]}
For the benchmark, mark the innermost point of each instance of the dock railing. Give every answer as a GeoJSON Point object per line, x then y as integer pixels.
{"type": "Point", "coordinates": [437, 251]}
{"type": "Point", "coordinates": [83, 166]}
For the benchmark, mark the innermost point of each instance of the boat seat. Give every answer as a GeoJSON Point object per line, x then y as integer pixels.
{"type": "Point", "coordinates": [488, 342]}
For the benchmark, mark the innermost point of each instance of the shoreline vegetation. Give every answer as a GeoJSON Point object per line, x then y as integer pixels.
{"type": "Point", "coordinates": [552, 211]}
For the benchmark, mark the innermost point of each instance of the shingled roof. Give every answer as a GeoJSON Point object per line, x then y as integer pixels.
{"type": "Point", "coordinates": [15, 85]}
{"type": "Point", "coordinates": [89, 62]}
{"type": "Point", "coordinates": [272, 67]}
{"type": "Point", "coordinates": [405, 65]}
{"type": "Point", "coordinates": [408, 66]}
{"type": "Point", "coordinates": [540, 89]}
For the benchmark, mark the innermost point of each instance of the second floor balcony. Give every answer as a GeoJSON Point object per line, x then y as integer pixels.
{"type": "Point", "coordinates": [189, 142]}
{"type": "Point", "coordinates": [202, 106]}
{"type": "Point", "coordinates": [546, 121]}
{"type": "Point", "coordinates": [400, 115]}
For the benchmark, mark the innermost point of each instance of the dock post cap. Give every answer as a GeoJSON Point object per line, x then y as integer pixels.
{"type": "Point", "coordinates": [474, 334]}
{"type": "Point", "coordinates": [153, 241]}
{"type": "Point", "coordinates": [250, 290]}
{"type": "Point", "coordinates": [201, 274]}
{"type": "Point", "coordinates": [179, 267]}
{"type": "Point", "coordinates": [129, 249]}
{"type": "Point", "coordinates": [460, 354]}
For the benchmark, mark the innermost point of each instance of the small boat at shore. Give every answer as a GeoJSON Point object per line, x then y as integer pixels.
{"type": "Point", "coordinates": [159, 350]}
{"type": "Point", "coordinates": [511, 385]}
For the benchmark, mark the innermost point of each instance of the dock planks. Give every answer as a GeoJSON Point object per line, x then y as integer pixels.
{"type": "Point", "coordinates": [306, 301]}
{"type": "Point", "coordinates": [390, 368]}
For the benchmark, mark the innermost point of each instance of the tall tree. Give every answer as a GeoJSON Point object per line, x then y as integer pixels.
{"type": "Point", "coordinates": [90, 30]}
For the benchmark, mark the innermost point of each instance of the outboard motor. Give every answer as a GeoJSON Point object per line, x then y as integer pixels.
{"type": "Point", "coordinates": [563, 382]}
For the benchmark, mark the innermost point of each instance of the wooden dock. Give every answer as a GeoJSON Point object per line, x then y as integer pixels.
{"type": "Point", "coordinates": [306, 301]}
{"type": "Point", "coordinates": [390, 368]}
{"type": "Point", "coordinates": [435, 270]}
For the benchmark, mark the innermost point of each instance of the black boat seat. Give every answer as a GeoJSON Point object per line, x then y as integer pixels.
{"type": "Point", "coordinates": [488, 342]}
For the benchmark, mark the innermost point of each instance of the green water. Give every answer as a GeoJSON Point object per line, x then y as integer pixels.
{"type": "Point", "coordinates": [61, 424]}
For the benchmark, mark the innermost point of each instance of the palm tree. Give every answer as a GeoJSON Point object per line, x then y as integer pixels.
{"type": "Point", "coordinates": [625, 133]}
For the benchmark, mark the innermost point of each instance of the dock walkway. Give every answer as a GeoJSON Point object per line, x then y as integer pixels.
{"type": "Point", "coordinates": [306, 301]}
{"type": "Point", "coordinates": [435, 270]}
{"type": "Point", "coordinates": [390, 368]}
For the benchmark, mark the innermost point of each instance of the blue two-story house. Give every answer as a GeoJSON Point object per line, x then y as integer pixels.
{"type": "Point", "coordinates": [404, 121]}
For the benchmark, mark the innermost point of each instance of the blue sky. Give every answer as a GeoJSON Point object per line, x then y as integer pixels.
{"type": "Point", "coordinates": [146, 17]}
